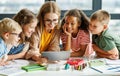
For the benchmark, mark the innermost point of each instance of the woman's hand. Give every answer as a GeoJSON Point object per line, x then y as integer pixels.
{"type": "Point", "coordinates": [42, 60]}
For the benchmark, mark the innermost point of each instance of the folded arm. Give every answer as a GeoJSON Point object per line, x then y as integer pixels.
{"type": "Point", "coordinates": [111, 54]}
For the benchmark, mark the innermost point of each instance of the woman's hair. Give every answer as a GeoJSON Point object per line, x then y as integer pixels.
{"type": "Point", "coordinates": [24, 17]}
{"type": "Point", "coordinates": [48, 7]}
{"type": "Point", "coordinates": [81, 17]}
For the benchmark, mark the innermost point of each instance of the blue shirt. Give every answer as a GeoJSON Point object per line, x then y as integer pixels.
{"type": "Point", "coordinates": [3, 48]}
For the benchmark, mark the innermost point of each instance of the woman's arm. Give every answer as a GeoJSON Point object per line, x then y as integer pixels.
{"type": "Point", "coordinates": [55, 42]}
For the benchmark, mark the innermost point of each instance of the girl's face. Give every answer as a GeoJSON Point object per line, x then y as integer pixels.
{"type": "Point", "coordinates": [28, 29]}
{"type": "Point", "coordinates": [71, 23]}
{"type": "Point", "coordinates": [50, 20]}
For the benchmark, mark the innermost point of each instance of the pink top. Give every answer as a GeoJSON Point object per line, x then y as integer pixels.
{"type": "Point", "coordinates": [82, 38]}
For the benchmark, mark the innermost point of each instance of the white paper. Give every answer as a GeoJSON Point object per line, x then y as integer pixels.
{"type": "Point", "coordinates": [112, 62]}
{"type": "Point", "coordinates": [14, 68]}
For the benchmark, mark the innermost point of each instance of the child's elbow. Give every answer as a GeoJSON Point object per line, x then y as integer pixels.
{"type": "Point", "coordinates": [114, 57]}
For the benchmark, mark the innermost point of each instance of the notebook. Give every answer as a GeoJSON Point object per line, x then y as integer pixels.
{"type": "Point", "coordinates": [54, 56]}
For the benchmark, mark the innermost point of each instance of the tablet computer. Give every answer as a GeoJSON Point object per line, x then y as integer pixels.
{"type": "Point", "coordinates": [54, 56]}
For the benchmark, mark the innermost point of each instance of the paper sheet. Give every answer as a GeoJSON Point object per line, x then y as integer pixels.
{"type": "Point", "coordinates": [14, 67]}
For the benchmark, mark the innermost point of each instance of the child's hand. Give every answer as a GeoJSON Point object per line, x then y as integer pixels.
{"type": "Point", "coordinates": [67, 30]}
{"type": "Point", "coordinates": [2, 63]}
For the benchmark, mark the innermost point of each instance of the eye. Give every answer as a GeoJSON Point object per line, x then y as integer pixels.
{"type": "Point", "coordinates": [94, 26]}
{"type": "Point", "coordinates": [66, 23]}
{"type": "Point", "coordinates": [72, 24]}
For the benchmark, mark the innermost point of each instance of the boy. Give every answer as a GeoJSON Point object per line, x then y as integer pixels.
{"type": "Point", "coordinates": [106, 44]}
{"type": "Point", "coordinates": [9, 36]}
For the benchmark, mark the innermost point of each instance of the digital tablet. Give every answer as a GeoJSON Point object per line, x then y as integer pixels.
{"type": "Point", "coordinates": [54, 56]}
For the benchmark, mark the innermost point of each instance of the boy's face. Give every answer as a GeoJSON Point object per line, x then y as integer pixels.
{"type": "Point", "coordinates": [96, 27]}
{"type": "Point", "coordinates": [12, 38]}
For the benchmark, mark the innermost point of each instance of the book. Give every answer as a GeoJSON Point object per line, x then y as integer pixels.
{"type": "Point", "coordinates": [33, 67]}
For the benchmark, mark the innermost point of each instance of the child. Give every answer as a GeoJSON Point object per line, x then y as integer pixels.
{"type": "Point", "coordinates": [9, 36]}
{"type": "Point", "coordinates": [28, 22]}
{"type": "Point", "coordinates": [46, 36]}
{"type": "Point", "coordinates": [75, 35]}
{"type": "Point", "coordinates": [106, 44]}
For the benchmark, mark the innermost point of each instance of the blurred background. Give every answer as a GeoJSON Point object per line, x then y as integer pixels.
{"type": "Point", "coordinates": [8, 8]}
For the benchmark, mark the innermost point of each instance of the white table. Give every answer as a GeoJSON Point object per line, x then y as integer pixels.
{"type": "Point", "coordinates": [61, 72]}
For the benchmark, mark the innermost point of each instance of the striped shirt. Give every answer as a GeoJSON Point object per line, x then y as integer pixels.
{"type": "Point", "coordinates": [82, 38]}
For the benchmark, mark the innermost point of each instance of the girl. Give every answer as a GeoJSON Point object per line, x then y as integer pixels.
{"type": "Point", "coordinates": [46, 36]}
{"type": "Point", "coordinates": [75, 35]}
{"type": "Point", "coordinates": [28, 22]}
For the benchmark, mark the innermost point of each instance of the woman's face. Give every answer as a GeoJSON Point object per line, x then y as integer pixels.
{"type": "Point", "coordinates": [50, 20]}
{"type": "Point", "coordinates": [28, 29]}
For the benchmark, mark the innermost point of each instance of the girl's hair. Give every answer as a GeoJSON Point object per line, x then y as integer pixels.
{"type": "Point", "coordinates": [24, 17]}
{"type": "Point", "coordinates": [9, 25]}
{"type": "Point", "coordinates": [82, 18]}
{"type": "Point", "coordinates": [48, 7]}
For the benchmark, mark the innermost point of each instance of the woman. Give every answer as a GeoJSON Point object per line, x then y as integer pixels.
{"type": "Point", "coordinates": [46, 37]}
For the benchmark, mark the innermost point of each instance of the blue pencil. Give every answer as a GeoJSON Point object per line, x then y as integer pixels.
{"type": "Point", "coordinates": [96, 70]}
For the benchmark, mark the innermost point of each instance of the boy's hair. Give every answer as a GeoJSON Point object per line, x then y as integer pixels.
{"type": "Point", "coordinates": [47, 7]}
{"type": "Point", "coordinates": [82, 18]}
{"type": "Point", "coordinates": [8, 25]}
{"type": "Point", "coordinates": [24, 17]}
{"type": "Point", "coordinates": [101, 16]}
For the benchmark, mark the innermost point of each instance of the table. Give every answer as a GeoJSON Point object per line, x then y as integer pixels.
{"type": "Point", "coordinates": [60, 72]}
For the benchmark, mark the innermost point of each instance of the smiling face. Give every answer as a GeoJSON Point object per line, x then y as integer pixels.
{"type": "Point", "coordinates": [28, 29]}
{"type": "Point", "coordinates": [50, 20]}
{"type": "Point", "coordinates": [71, 23]}
{"type": "Point", "coordinates": [96, 27]}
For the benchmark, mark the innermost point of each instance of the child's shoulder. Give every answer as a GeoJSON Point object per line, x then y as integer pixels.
{"type": "Point", "coordinates": [109, 34]}
{"type": "Point", "coordinates": [1, 41]}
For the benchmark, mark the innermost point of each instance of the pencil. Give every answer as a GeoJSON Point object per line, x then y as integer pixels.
{"type": "Point", "coordinates": [96, 70]}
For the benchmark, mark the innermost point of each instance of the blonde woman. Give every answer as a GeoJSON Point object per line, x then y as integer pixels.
{"type": "Point", "coordinates": [46, 37]}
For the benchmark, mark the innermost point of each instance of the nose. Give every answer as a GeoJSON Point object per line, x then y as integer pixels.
{"type": "Point", "coordinates": [33, 30]}
{"type": "Point", "coordinates": [18, 38]}
{"type": "Point", "coordinates": [69, 25]}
